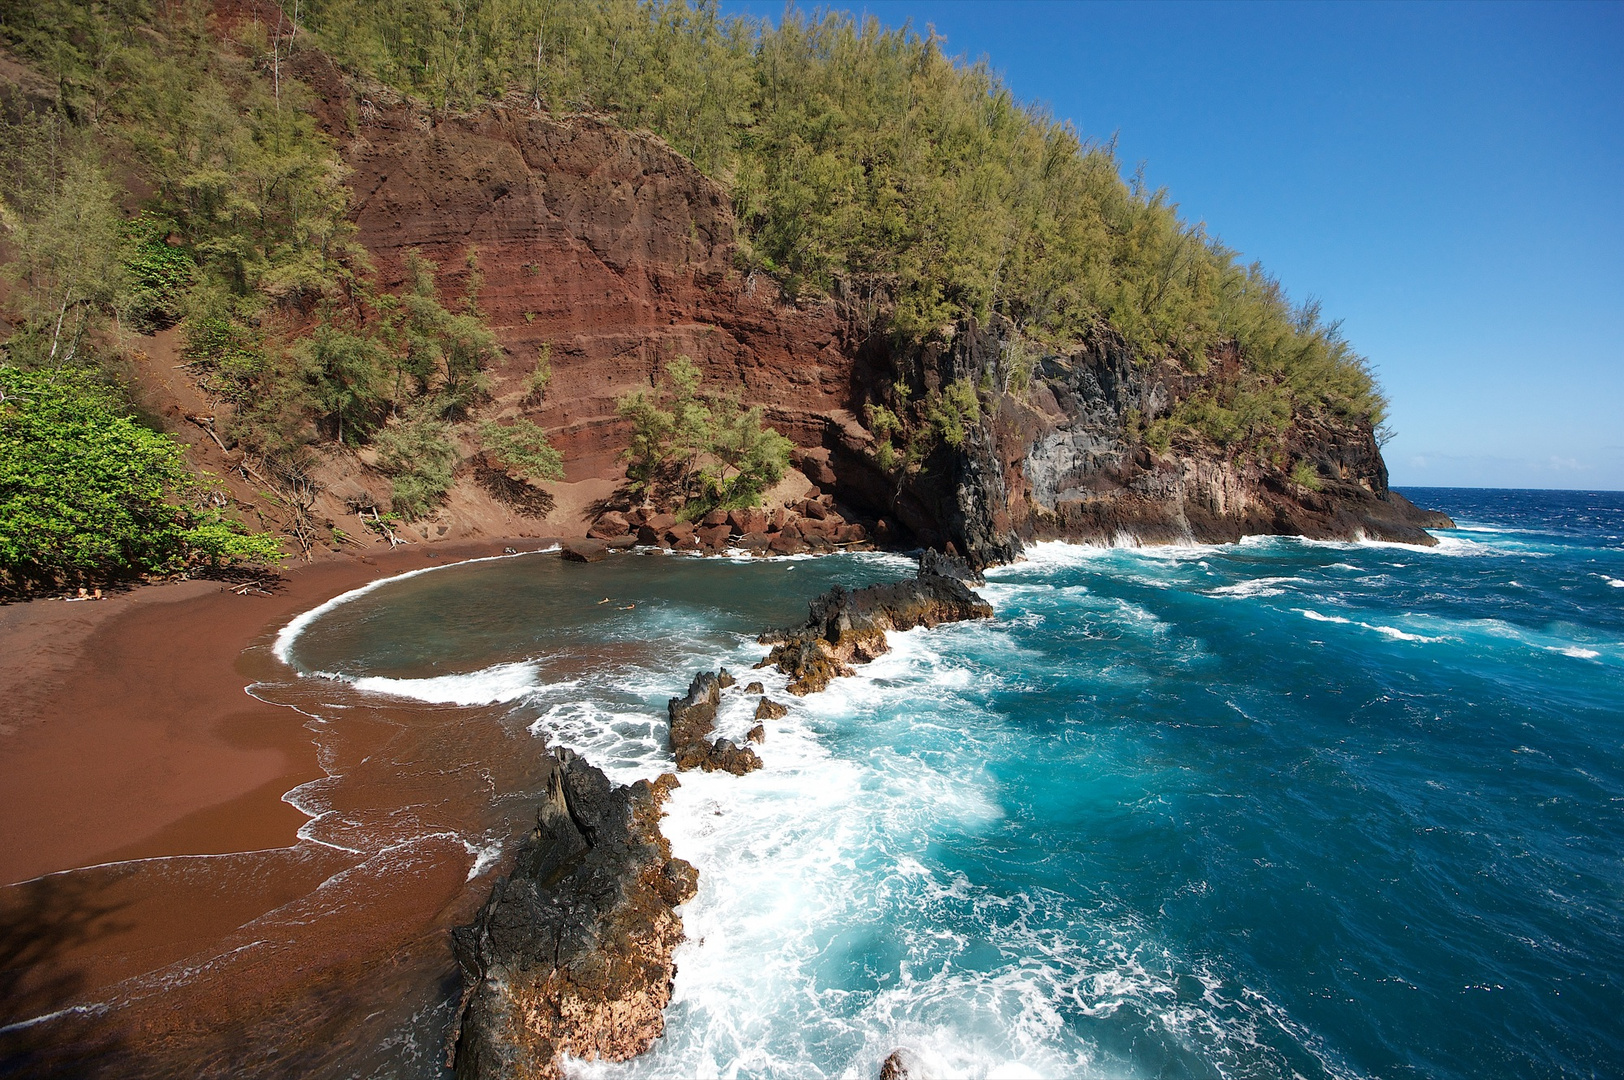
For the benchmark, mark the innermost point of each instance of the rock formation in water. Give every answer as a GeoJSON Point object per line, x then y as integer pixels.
{"type": "Point", "coordinates": [693, 721]}
{"type": "Point", "coordinates": [902, 1064]}
{"type": "Point", "coordinates": [847, 626]}
{"type": "Point", "coordinates": [572, 952]}
{"type": "Point", "coordinates": [1064, 457]}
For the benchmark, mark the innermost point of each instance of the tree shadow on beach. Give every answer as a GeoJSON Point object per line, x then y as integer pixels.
{"type": "Point", "coordinates": [43, 923]}
{"type": "Point", "coordinates": [522, 498]}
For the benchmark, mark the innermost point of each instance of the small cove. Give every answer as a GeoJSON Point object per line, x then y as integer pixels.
{"type": "Point", "coordinates": [1265, 809]}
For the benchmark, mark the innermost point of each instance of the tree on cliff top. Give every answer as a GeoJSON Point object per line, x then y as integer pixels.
{"type": "Point", "coordinates": [864, 161]}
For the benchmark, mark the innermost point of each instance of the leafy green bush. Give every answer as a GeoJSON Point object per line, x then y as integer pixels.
{"type": "Point", "coordinates": [344, 366]}
{"type": "Point", "coordinates": [1307, 475]}
{"type": "Point", "coordinates": [700, 451]}
{"type": "Point", "coordinates": [745, 459]}
{"type": "Point", "coordinates": [415, 450]}
{"type": "Point", "coordinates": [156, 273]}
{"type": "Point", "coordinates": [88, 494]}
{"type": "Point", "coordinates": [523, 448]}
{"type": "Point", "coordinates": [952, 412]}
{"type": "Point", "coordinates": [542, 373]}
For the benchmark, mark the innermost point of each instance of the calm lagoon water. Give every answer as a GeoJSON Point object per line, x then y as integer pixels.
{"type": "Point", "coordinates": [1271, 809]}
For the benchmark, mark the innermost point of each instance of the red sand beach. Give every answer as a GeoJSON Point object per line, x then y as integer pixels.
{"type": "Point", "coordinates": [127, 738]}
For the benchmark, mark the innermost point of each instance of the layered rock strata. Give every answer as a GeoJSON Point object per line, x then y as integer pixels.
{"type": "Point", "coordinates": [846, 626]}
{"type": "Point", "coordinates": [572, 952]}
{"type": "Point", "coordinates": [693, 721]}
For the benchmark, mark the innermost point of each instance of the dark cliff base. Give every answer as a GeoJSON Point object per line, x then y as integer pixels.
{"type": "Point", "coordinates": [1059, 452]}
{"type": "Point", "coordinates": [1330, 515]}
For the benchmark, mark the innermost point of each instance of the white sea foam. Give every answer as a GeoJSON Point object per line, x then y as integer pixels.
{"type": "Point", "coordinates": [1397, 634]}
{"type": "Point", "coordinates": [627, 744]}
{"type": "Point", "coordinates": [1577, 653]}
{"type": "Point", "coordinates": [1264, 586]}
{"type": "Point", "coordinates": [1392, 633]}
{"type": "Point", "coordinates": [825, 933]}
{"type": "Point", "coordinates": [484, 856]}
{"type": "Point", "coordinates": [494, 685]}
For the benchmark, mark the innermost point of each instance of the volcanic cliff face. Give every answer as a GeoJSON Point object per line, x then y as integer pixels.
{"type": "Point", "coordinates": [604, 247]}
{"type": "Point", "coordinates": [1059, 459]}
{"type": "Point", "coordinates": [615, 254]}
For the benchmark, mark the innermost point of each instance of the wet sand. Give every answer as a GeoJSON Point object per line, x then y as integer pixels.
{"type": "Point", "coordinates": [125, 728]}
{"type": "Point", "coordinates": [131, 758]}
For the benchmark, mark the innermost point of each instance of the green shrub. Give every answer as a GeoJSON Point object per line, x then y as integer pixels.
{"type": "Point", "coordinates": [86, 493]}
{"type": "Point", "coordinates": [1305, 474]}
{"type": "Point", "coordinates": [701, 451]}
{"type": "Point", "coordinates": [156, 273]}
{"type": "Point", "coordinates": [522, 447]}
{"type": "Point", "coordinates": [951, 413]}
{"type": "Point", "coordinates": [542, 373]}
{"type": "Point", "coordinates": [417, 454]}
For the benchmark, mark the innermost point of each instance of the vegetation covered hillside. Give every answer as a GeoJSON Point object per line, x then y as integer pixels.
{"type": "Point", "coordinates": [171, 174]}
{"type": "Point", "coordinates": [167, 169]}
{"type": "Point", "coordinates": [865, 163]}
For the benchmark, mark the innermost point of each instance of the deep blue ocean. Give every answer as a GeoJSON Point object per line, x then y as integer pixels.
{"type": "Point", "coordinates": [1271, 809]}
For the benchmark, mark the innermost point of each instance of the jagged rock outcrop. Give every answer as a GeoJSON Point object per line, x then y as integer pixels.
{"type": "Point", "coordinates": [810, 524]}
{"type": "Point", "coordinates": [693, 721]}
{"type": "Point", "coordinates": [572, 952]}
{"type": "Point", "coordinates": [1061, 457]}
{"type": "Point", "coordinates": [846, 626]}
{"type": "Point", "coordinates": [902, 1064]}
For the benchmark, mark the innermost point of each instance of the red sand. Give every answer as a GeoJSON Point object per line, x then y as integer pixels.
{"type": "Point", "coordinates": [125, 730]}
{"type": "Point", "coordinates": [126, 734]}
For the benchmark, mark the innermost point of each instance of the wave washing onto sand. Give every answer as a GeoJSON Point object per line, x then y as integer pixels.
{"type": "Point", "coordinates": [495, 685]}
{"type": "Point", "coordinates": [282, 647]}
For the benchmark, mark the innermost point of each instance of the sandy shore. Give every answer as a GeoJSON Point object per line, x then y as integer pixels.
{"type": "Point", "coordinates": [125, 728]}
{"type": "Point", "coordinates": [128, 745]}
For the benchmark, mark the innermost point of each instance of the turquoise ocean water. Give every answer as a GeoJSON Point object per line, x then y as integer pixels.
{"type": "Point", "coordinates": [1271, 809]}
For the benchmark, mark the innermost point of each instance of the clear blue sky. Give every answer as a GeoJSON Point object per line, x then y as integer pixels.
{"type": "Point", "coordinates": [1448, 179]}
